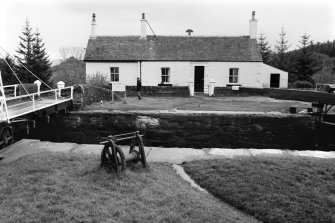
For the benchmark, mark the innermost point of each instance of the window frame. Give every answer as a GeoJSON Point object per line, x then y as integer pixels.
{"type": "Point", "coordinates": [164, 75]}
{"type": "Point", "coordinates": [233, 75]}
{"type": "Point", "coordinates": [114, 74]}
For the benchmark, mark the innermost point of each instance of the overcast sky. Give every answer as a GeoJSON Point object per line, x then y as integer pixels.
{"type": "Point", "coordinates": [66, 23]}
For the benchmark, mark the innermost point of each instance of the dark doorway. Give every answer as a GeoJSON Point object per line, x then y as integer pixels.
{"type": "Point", "coordinates": [199, 72]}
{"type": "Point", "coordinates": [274, 80]}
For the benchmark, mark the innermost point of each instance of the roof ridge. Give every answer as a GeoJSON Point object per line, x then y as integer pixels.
{"type": "Point", "coordinates": [200, 36]}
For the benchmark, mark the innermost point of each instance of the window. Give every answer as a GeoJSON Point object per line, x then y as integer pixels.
{"type": "Point", "coordinates": [114, 74]}
{"type": "Point", "coordinates": [165, 74]}
{"type": "Point", "coordinates": [233, 75]}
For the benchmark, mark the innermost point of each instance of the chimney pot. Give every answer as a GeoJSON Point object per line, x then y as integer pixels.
{"type": "Point", "coordinates": [143, 15]}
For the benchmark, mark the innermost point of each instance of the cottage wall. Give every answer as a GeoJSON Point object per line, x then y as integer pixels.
{"type": "Point", "coordinates": [127, 71]}
{"type": "Point", "coordinates": [251, 74]}
{"type": "Point", "coordinates": [268, 70]}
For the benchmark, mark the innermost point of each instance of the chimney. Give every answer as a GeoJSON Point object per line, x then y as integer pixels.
{"type": "Point", "coordinates": [253, 26]}
{"type": "Point", "coordinates": [143, 27]}
{"type": "Point", "coordinates": [93, 27]}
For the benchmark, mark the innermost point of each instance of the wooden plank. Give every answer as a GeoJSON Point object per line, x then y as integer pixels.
{"type": "Point", "coordinates": [303, 95]}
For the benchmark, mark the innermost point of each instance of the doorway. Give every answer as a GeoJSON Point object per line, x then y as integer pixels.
{"type": "Point", "coordinates": [274, 80]}
{"type": "Point", "coordinates": [199, 72]}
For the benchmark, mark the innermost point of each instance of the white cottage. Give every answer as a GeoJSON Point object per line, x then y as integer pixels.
{"type": "Point", "coordinates": [177, 60]}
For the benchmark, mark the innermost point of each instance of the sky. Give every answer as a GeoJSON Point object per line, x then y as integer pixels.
{"type": "Point", "coordinates": [67, 23]}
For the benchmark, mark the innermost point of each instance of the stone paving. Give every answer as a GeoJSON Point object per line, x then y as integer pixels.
{"type": "Point", "coordinates": [154, 154]}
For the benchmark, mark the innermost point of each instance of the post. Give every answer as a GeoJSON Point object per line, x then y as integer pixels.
{"type": "Point", "coordinates": [211, 87]}
{"type": "Point", "coordinates": [3, 96]}
{"type": "Point", "coordinates": [56, 96]}
{"type": "Point", "coordinates": [71, 92]}
{"type": "Point", "coordinates": [15, 87]}
{"type": "Point", "coordinates": [191, 87]}
{"type": "Point", "coordinates": [34, 102]}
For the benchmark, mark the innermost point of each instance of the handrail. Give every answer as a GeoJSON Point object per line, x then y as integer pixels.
{"type": "Point", "coordinates": [42, 92]}
{"type": "Point", "coordinates": [7, 86]}
{"type": "Point", "coordinates": [34, 104]}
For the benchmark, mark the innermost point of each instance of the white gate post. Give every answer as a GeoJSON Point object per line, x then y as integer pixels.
{"type": "Point", "coordinates": [211, 87]}
{"type": "Point", "coordinates": [191, 87]}
{"type": "Point", "coordinates": [60, 85]}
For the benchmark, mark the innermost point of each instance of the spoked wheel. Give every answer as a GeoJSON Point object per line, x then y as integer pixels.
{"type": "Point", "coordinates": [6, 137]}
{"type": "Point", "coordinates": [138, 142]}
{"type": "Point", "coordinates": [112, 156]}
{"type": "Point", "coordinates": [142, 152]}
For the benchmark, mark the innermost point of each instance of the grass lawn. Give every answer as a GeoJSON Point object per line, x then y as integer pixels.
{"type": "Point", "coordinates": [52, 187]}
{"type": "Point", "coordinates": [272, 189]}
{"type": "Point", "coordinates": [252, 103]}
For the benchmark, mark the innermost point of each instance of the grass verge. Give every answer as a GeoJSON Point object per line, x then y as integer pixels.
{"type": "Point", "coordinates": [51, 187]}
{"type": "Point", "coordinates": [272, 189]}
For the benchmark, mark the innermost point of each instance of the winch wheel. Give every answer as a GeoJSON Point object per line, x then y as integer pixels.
{"type": "Point", "coordinates": [113, 156]}
{"type": "Point", "coordinates": [6, 136]}
{"type": "Point", "coordinates": [142, 152]}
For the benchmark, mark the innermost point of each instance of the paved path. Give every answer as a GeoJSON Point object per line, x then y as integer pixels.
{"type": "Point", "coordinates": [154, 154]}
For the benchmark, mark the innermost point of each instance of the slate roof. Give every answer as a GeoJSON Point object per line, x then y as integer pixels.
{"type": "Point", "coordinates": [172, 48]}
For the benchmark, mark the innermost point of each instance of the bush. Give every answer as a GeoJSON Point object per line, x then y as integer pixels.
{"type": "Point", "coordinates": [302, 84]}
{"type": "Point", "coordinates": [98, 79]}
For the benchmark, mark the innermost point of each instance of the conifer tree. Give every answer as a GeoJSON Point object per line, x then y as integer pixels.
{"type": "Point", "coordinates": [32, 56]}
{"type": "Point", "coordinates": [282, 46]}
{"type": "Point", "coordinates": [306, 64]}
{"type": "Point", "coordinates": [25, 53]}
{"type": "Point", "coordinates": [264, 49]}
{"type": "Point", "coordinates": [41, 66]}
{"type": "Point", "coordinates": [8, 78]}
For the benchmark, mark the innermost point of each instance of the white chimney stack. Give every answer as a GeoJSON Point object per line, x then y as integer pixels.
{"type": "Point", "coordinates": [143, 27]}
{"type": "Point", "coordinates": [93, 27]}
{"type": "Point", "coordinates": [253, 26]}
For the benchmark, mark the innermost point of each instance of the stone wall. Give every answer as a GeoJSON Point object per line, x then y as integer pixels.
{"type": "Point", "coordinates": [242, 92]}
{"type": "Point", "coordinates": [159, 91]}
{"type": "Point", "coordinates": [197, 130]}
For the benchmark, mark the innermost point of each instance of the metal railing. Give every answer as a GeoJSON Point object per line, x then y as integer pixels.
{"type": "Point", "coordinates": [12, 107]}
{"type": "Point", "coordinates": [10, 90]}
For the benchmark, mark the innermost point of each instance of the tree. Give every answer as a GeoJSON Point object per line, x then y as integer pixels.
{"type": "Point", "coordinates": [306, 64]}
{"type": "Point", "coordinates": [282, 46]}
{"type": "Point", "coordinates": [32, 57]}
{"type": "Point", "coordinates": [68, 52]}
{"type": "Point", "coordinates": [41, 63]}
{"type": "Point", "coordinates": [70, 71]}
{"type": "Point", "coordinates": [25, 51]}
{"type": "Point", "coordinates": [264, 49]}
{"type": "Point", "coordinates": [6, 66]}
